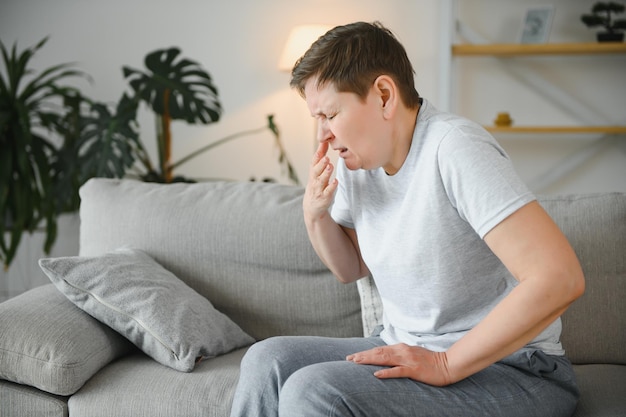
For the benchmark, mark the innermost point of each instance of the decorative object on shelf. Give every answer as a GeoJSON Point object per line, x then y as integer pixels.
{"type": "Point", "coordinates": [536, 24]}
{"type": "Point", "coordinates": [601, 15]}
{"type": "Point", "coordinates": [503, 119]}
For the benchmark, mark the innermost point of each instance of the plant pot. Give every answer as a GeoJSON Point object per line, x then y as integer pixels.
{"type": "Point", "coordinates": [610, 37]}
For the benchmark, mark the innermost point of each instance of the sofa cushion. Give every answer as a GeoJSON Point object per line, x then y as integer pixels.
{"type": "Point", "coordinates": [243, 245]}
{"type": "Point", "coordinates": [602, 389]}
{"type": "Point", "coordinates": [139, 387]}
{"type": "Point", "coordinates": [129, 291]}
{"type": "Point", "coordinates": [23, 401]}
{"type": "Point", "coordinates": [49, 343]}
{"type": "Point", "coordinates": [595, 225]}
{"type": "Point", "coordinates": [371, 305]}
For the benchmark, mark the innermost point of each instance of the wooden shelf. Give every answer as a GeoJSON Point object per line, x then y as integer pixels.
{"type": "Point", "coordinates": [617, 130]}
{"type": "Point", "coordinates": [510, 50]}
{"type": "Point", "coordinates": [503, 49]}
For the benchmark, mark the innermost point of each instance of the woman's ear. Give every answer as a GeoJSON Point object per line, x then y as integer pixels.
{"type": "Point", "coordinates": [387, 90]}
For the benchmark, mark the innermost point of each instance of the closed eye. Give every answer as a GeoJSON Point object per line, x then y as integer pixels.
{"type": "Point", "coordinates": [321, 116]}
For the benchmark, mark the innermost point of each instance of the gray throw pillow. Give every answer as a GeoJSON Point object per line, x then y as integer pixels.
{"type": "Point", "coordinates": [49, 343]}
{"type": "Point", "coordinates": [129, 291]}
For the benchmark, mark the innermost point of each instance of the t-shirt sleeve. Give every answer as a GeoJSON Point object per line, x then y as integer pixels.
{"type": "Point", "coordinates": [479, 179]}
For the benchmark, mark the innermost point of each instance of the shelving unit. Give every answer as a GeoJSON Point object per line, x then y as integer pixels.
{"type": "Point", "coordinates": [594, 141]}
{"type": "Point", "coordinates": [513, 50]}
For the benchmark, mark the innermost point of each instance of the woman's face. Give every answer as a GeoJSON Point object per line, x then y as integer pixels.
{"type": "Point", "coordinates": [353, 127]}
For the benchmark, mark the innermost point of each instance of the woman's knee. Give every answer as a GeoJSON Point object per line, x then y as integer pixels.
{"type": "Point", "coordinates": [266, 351]}
{"type": "Point", "coordinates": [275, 359]}
{"type": "Point", "coordinates": [304, 392]}
{"type": "Point", "coordinates": [262, 349]}
{"type": "Point", "coordinates": [321, 389]}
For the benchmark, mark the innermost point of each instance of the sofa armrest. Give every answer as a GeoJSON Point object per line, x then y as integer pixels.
{"type": "Point", "coordinates": [48, 343]}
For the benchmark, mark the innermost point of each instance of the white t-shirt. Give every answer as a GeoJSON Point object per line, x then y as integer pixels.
{"type": "Point", "coordinates": [420, 231]}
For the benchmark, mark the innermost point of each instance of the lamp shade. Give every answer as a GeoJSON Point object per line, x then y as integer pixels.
{"type": "Point", "coordinates": [299, 40]}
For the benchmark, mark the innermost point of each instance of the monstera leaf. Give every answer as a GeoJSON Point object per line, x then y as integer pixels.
{"type": "Point", "coordinates": [111, 140]}
{"type": "Point", "coordinates": [180, 89]}
{"type": "Point", "coordinates": [174, 90]}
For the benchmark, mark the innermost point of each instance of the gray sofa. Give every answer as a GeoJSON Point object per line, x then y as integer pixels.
{"type": "Point", "coordinates": [243, 247]}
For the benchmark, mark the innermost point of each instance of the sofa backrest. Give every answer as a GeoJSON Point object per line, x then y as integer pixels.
{"type": "Point", "coordinates": [594, 326]}
{"type": "Point", "coordinates": [242, 245]}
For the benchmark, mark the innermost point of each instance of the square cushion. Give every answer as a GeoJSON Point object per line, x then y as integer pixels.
{"type": "Point", "coordinates": [129, 291]}
{"type": "Point", "coordinates": [120, 389]}
{"type": "Point", "coordinates": [48, 343]}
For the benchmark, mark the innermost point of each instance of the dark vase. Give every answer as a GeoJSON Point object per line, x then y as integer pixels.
{"type": "Point", "coordinates": [611, 37]}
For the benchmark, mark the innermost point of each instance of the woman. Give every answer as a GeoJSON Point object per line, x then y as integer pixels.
{"type": "Point", "coordinates": [472, 272]}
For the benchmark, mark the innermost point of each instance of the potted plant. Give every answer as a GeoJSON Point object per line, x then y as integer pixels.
{"type": "Point", "coordinates": [180, 89]}
{"type": "Point", "coordinates": [97, 142]}
{"type": "Point", "coordinates": [39, 179]}
{"type": "Point", "coordinates": [174, 90]}
{"type": "Point", "coordinates": [601, 15]}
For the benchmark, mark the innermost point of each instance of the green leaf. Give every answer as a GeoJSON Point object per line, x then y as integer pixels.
{"type": "Point", "coordinates": [26, 123]}
{"type": "Point", "coordinates": [192, 95]}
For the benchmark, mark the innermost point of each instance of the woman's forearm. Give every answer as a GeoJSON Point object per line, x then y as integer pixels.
{"type": "Point", "coordinates": [512, 324]}
{"type": "Point", "coordinates": [550, 278]}
{"type": "Point", "coordinates": [337, 248]}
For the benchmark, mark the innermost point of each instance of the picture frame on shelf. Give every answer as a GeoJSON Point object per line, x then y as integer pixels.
{"type": "Point", "coordinates": [536, 24]}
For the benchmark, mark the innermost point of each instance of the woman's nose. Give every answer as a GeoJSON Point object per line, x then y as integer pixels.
{"type": "Point", "coordinates": [323, 132]}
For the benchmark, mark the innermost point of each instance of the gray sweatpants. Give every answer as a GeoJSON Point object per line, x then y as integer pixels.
{"type": "Point", "coordinates": [302, 376]}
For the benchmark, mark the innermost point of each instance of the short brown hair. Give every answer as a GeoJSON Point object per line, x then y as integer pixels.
{"type": "Point", "coordinates": [352, 57]}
